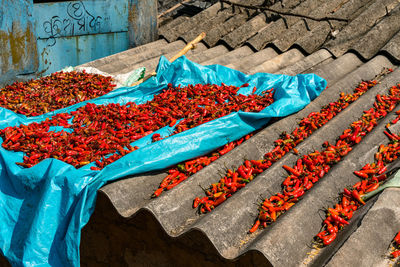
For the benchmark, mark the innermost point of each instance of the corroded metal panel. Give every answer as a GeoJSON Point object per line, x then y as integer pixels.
{"type": "Point", "coordinates": [18, 53]}
{"type": "Point", "coordinates": [142, 22]}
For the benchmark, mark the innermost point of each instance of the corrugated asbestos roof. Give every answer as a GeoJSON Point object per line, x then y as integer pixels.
{"type": "Point", "coordinates": [342, 53]}
{"type": "Point", "coordinates": [235, 27]}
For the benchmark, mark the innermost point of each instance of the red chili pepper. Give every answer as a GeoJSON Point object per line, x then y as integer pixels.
{"type": "Point", "coordinates": [395, 254]}
{"type": "Point", "coordinates": [346, 208]}
{"type": "Point", "coordinates": [58, 90]}
{"type": "Point", "coordinates": [361, 174]}
{"type": "Point", "coordinates": [332, 229]}
{"type": "Point", "coordinates": [355, 194]}
{"type": "Point", "coordinates": [196, 201]}
{"type": "Point", "coordinates": [322, 234]}
{"type": "Point", "coordinates": [329, 239]}
{"type": "Point", "coordinates": [288, 141]}
{"type": "Point", "coordinates": [158, 192]}
{"type": "Point", "coordinates": [382, 170]}
{"type": "Point", "coordinates": [220, 199]}
{"type": "Point", "coordinates": [172, 123]}
{"type": "Point", "coordinates": [115, 126]}
{"type": "Point", "coordinates": [371, 188]}
{"type": "Point", "coordinates": [291, 170]}
{"type": "Point", "coordinates": [339, 219]}
{"type": "Point", "coordinates": [397, 238]}
{"type": "Point", "coordinates": [255, 226]}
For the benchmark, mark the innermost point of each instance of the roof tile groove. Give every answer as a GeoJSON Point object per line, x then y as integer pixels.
{"type": "Point", "coordinates": [207, 24]}
{"type": "Point", "coordinates": [278, 62]}
{"type": "Point", "coordinates": [209, 54]}
{"type": "Point", "coordinates": [173, 23]}
{"type": "Point", "coordinates": [126, 63]}
{"type": "Point", "coordinates": [253, 26]}
{"type": "Point", "coordinates": [240, 35]}
{"type": "Point", "coordinates": [370, 44]}
{"type": "Point", "coordinates": [136, 54]}
{"type": "Point", "coordinates": [230, 56]}
{"type": "Point", "coordinates": [151, 63]}
{"type": "Point", "coordinates": [275, 29]}
{"type": "Point", "coordinates": [173, 33]}
{"type": "Point", "coordinates": [307, 63]}
{"type": "Point", "coordinates": [393, 47]}
{"type": "Point", "coordinates": [220, 30]}
{"type": "Point", "coordinates": [352, 33]}
{"type": "Point", "coordinates": [254, 59]}
{"type": "Point", "coordinates": [301, 27]}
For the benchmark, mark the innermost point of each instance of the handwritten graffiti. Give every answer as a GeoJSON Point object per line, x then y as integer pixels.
{"type": "Point", "coordinates": [77, 21]}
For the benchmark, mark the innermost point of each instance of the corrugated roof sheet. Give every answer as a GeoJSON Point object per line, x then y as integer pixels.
{"type": "Point", "coordinates": [235, 27]}
{"type": "Point", "coordinates": [344, 55]}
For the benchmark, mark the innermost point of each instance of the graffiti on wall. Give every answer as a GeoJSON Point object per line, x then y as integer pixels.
{"type": "Point", "coordinates": [76, 21]}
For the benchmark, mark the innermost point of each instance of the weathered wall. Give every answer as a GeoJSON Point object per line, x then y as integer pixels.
{"type": "Point", "coordinates": [18, 50]}
{"type": "Point", "coordinates": [42, 38]}
{"type": "Point", "coordinates": [142, 22]}
{"type": "Point", "coordinates": [72, 33]}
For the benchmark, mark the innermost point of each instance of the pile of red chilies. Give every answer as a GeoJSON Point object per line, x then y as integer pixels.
{"type": "Point", "coordinates": [59, 90]}
{"type": "Point", "coordinates": [101, 130]}
{"type": "Point", "coordinates": [234, 180]}
{"type": "Point", "coordinates": [396, 241]}
{"type": "Point", "coordinates": [312, 167]}
{"type": "Point", "coordinates": [182, 171]}
{"type": "Point", "coordinates": [372, 176]}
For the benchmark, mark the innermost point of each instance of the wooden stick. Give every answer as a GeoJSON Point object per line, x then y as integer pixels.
{"type": "Point", "coordinates": [172, 8]}
{"type": "Point", "coordinates": [189, 46]}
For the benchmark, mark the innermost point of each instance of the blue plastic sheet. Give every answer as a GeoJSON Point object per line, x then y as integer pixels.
{"type": "Point", "coordinates": [44, 208]}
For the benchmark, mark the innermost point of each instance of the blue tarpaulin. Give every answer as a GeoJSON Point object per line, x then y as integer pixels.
{"type": "Point", "coordinates": [43, 208]}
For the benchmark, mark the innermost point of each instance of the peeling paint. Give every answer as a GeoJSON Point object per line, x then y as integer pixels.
{"type": "Point", "coordinates": [22, 45]}
{"type": "Point", "coordinates": [18, 46]}
{"type": "Point", "coordinates": [18, 49]}
{"type": "Point", "coordinates": [142, 22]}
{"type": "Point", "coordinates": [4, 55]}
